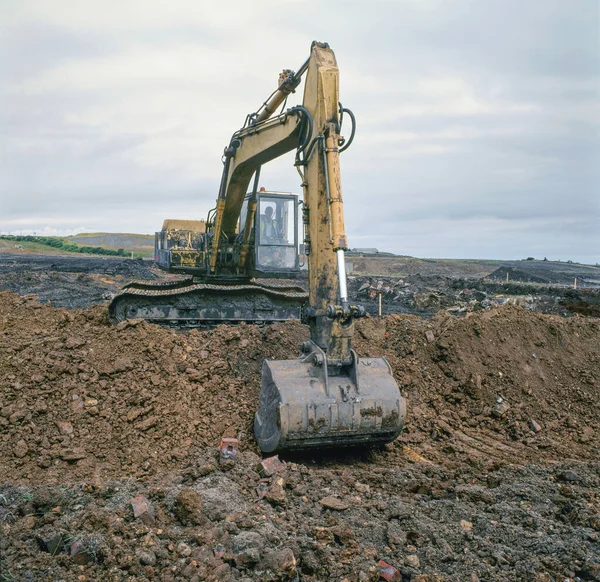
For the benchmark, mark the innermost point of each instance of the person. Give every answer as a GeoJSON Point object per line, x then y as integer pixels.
{"type": "Point", "coordinates": [269, 229]}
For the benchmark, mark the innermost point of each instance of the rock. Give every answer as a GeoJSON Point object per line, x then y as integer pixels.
{"type": "Point", "coordinates": [275, 493]}
{"type": "Point", "coordinates": [413, 561]}
{"type": "Point", "coordinates": [143, 510]}
{"type": "Point", "coordinates": [184, 550]}
{"type": "Point", "coordinates": [429, 336]}
{"type": "Point", "coordinates": [534, 426]}
{"type": "Point", "coordinates": [77, 404]}
{"type": "Point", "coordinates": [80, 553]}
{"type": "Point", "coordinates": [268, 467]}
{"type": "Point", "coordinates": [282, 563]}
{"type": "Point", "coordinates": [52, 542]}
{"type": "Point", "coordinates": [247, 547]}
{"type": "Point", "coordinates": [334, 503]}
{"type": "Point", "coordinates": [147, 424]}
{"type": "Point", "coordinates": [569, 477]}
{"type": "Point", "coordinates": [188, 507]}
{"type": "Point", "coordinates": [64, 427]}
{"type": "Point", "coordinates": [147, 557]}
{"type": "Point", "coordinates": [72, 455]}
{"type": "Point", "coordinates": [388, 573]}
{"type": "Point", "coordinates": [362, 487]}
{"type": "Point", "coordinates": [21, 449]}
{"type": "Point", "coordinates": [245, 540]}
{"type": "Point", "coordinates": [501, 407]}
{"type": "Point", "coordinates": [247, 558]}
{"type": "Point", "coordinates": [228, 449]}
{"type": "Point", "coordinates": [466, 525]}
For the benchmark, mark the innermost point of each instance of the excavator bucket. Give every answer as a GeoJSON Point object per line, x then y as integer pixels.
{"type": "Point", "coordinates": [304, 406]}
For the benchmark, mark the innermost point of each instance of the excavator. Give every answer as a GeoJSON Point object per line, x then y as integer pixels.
{"type": "Point", "coordinates": [241, 260]}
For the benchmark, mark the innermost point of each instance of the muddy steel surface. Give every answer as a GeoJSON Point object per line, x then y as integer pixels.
{"type": "Point", "coordinates": [110, 467]}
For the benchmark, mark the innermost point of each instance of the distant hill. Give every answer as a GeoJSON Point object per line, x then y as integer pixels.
{"type": "Point", "coordinates": [139, 244]}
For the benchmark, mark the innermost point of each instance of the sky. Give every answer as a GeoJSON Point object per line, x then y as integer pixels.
{"type": "Point", "coordinates": [478, 121]}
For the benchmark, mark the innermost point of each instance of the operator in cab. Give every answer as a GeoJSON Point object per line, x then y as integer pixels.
{"type": "Point", "coordinates": [269, 229]}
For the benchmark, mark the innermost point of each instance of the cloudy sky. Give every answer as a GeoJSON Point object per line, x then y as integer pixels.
{"type": "Point", "coordinates": [478, 120]}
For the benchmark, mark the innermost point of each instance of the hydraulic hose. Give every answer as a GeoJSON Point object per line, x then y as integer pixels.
{"type": "Point", "coordinates": [345, 145]}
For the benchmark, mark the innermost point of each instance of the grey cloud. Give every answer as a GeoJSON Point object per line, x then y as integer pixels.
{"type": "Point", "coordinates": [37, 46]}
{"type": "Point", "coordinates": [524, 162]}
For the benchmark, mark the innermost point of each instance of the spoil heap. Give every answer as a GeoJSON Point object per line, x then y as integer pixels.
{"type": "Point", "coordinates": [108, 447]}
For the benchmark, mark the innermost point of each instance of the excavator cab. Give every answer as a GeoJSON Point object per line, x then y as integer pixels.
{"type": "Point", "coordinates": [275, 233]}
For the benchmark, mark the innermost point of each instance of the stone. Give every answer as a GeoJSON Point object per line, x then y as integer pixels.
{"type": "Point", "coordinates": [245, 540]}
{"type": "Point", "coordinates": [388, 573]}
{"type": "Point", "coordinates": [413, 561]}
{"type": "Point", "coordinates": [534, 426]}
{"type": "Point", "coordinates": [275, 493]}
{"type": "Point", "coordinates": [429, 336]}
{"type": "Point", "coordinates": [466, 525]}
{"type": "Point", "coordinates": [247, 548]}
{"type": "Point", "coordinates": [80, 553]}
{"type": "Point", "coordinates": [72, 455]}
{"type": "Point", "coordinates": [281, 562]}
{"type": "Point", "coordinates": [52, 542]}
{"type": "Point", "coordinates": [269, 466]}
{"type": "Point", "coordinates": [501, 408]}
{"type": "Point", "coordinates": [21, 449]}
{"type": "Point", "coordinates": [184, 550]}
{"type": "Point", "coordinates": [188, 507]}
{"type": "Point", "coordinates": [147, 424]}
{"type": "Point", "coordinates": [147, 558]}
{"type": "Point", "coordinates": [228, 449]}
{"type": "Point", "coordinates": [334, 503]}
{"type": "Point", "coordinates": [77, 404]}
{"type": "Point", "coordinates": [64, 427]}
{"type": "Point", "coordinates": [143, 510]}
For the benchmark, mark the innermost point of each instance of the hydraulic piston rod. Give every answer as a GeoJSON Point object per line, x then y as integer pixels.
{"type": "Point", "coordinates": [341, 263]}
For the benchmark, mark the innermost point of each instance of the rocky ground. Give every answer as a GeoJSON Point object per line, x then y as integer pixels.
{"type": "Point", "coordinates": [76, 282]}
{"type": "Point", "coordinates": [110, 464]}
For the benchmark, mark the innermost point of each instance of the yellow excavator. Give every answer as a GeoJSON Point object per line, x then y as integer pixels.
{"type": "Point", "coordinates": [241, 260]}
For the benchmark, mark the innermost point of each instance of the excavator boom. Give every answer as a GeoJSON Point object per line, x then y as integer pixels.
{"type": "Point", "coordinates": [329, 397]}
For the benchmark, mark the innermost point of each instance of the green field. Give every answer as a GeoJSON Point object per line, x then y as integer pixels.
{"type": "Point", "coordinates": [125, 245]}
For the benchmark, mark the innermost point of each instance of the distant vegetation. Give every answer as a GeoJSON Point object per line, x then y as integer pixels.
{"type": "Point", "coordinates": [63, 245]}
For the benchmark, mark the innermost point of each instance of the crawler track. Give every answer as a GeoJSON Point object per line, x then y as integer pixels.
{"type": "Point", "coordinates": [183, 303]}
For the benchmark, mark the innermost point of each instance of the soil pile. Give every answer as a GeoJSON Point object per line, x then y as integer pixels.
{"type": "Point", "coordinates": [82, 396]}
{"type": "Point", "coordinates": [108, 444]}
{"type": "Point", "coordinates": [505, 383]}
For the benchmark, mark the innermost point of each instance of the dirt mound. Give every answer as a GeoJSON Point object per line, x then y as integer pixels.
{"type": "Point", "coordinates": [505, 384]}
{"type": "Point", "coordinates": [109, 438]}
{"type": "Point", "coordinates": [81, 395]}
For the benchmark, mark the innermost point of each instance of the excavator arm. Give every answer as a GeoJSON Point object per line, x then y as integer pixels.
{"type": "Point", "coordinates": [328, 397]}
